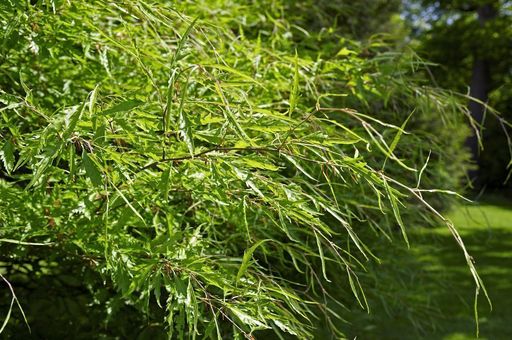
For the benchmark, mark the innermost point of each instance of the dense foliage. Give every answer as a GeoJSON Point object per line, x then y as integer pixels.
{"type": "Point", "coordinates": [208, 169]}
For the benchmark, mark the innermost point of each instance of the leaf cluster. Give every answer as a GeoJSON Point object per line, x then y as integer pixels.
{"type": "Point", "coordinates": [204, 178]}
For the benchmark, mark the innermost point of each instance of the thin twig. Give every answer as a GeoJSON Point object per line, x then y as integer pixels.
{"type": "Point", "coordinates": [219, 149]}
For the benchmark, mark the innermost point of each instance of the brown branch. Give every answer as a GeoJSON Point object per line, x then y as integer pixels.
{"type": "Point", "coordinates": [216, 149]}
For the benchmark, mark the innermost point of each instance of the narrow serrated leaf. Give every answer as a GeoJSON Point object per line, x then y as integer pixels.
{"type": "Point", "coordinates": [260, 165]}
{"type": "Point", "coordinates": [396, 211]}
{"type": "Point", "coordinates": [397, 137]}
{"type": "Point", "coordinates": [7, 156]}
{"type": "Point", "coordinates": [125, 106]}
{"type": "Point", "coordinates": [294, 94]}
{"type": "Point", "coordinates": [184, 122]}
{"type": "Point", "coordinates": [247, 258]}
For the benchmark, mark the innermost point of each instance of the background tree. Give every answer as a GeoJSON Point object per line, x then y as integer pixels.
{"type": "Point", "coordinates": [472, 43]}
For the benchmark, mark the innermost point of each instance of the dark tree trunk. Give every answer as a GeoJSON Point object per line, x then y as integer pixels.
{"type": "Point", "coordinates": [479, 87]}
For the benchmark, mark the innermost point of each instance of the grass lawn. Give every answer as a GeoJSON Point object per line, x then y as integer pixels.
{"type": "Point", "coordinates": [430, 284]}
{"type": "Point", "coordinates": [487, 232]}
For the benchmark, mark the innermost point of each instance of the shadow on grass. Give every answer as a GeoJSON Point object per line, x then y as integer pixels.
{"type": "Point", "coordinates": [427, 292]}
{"type": "Point", "coordinates": [492, 251]}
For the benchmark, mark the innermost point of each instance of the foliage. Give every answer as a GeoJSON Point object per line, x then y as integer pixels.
{"type": "Point", "coordinates": [203, 169]}
{"type": "Point", "coordinates": [441, 25]}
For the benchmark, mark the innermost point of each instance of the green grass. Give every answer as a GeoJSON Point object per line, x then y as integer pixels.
{"type": "Point", "coordinates": [485, 228]}
{"type": "Point", "coordinates": [433, 274]}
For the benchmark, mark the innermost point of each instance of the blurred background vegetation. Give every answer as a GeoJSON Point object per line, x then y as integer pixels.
{"type": "Point", "coordinates": [439, 69]}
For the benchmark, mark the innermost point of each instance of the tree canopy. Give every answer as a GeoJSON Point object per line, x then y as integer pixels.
{"type": "Point", "coordinates": [210, 169]}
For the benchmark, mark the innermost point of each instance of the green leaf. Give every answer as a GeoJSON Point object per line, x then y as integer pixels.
{"type": "Point", "coordinates": [72, 118]}
{"type": "Point", "coordinates": [396, 211]}
{"type": "Point", "coordinates": [299, 167]}
{"type": "Point", "coordinates": [191, 306]}
{"type": "Point", "coordinates": [259, 165]}
{"type": "Point", "coordinates": [164, 183]}
{"type": "Point", "coordinates": [129, 204]}
{"type": "Point", "coordinates": [7, 156]}
{"type": "Point", "coordinates": [395, 141]}
{"type": "Point", "coordinates": [184, 122]}
{"type": "Point", "coordinates": [233, 71]}
{"type": "Point", "coordinates": [92, 99]}
{"type": "Point", "coordinates": [345, 52]}
{"type": "Point", "coordinates": [125, 106]}
{"type": "Point", "coordinates": [247, 319]}
{"type": "Point", "coordinates": [229, 114]}
{"type": "Point", "coordinates": [92, 171]}
{"type": "Point", "coordinates": [322, 257]}
{"type": "Point", "coordinates": [247, 257]}
{"type": "Point", "coordinates": [173, 75]}
{"type": "Point", "coordinates": [294, 94]}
